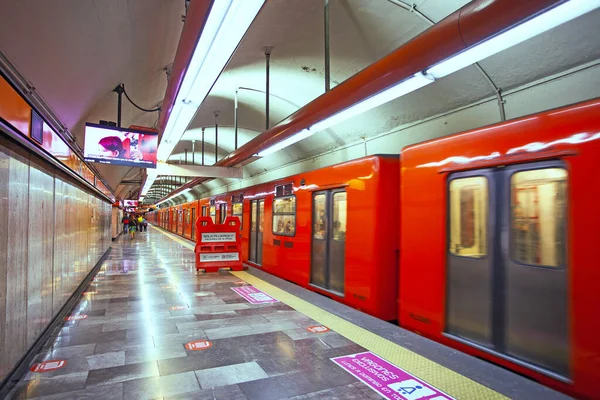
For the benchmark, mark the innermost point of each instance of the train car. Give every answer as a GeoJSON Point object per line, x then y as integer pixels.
{"type": "Point", "coordinates": [333, 231]}
{"type": "Point", "coordinates": [500, 242]}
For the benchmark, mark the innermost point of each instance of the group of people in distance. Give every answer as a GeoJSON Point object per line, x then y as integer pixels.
{"type": "Point", "coordinates": [133, 223]}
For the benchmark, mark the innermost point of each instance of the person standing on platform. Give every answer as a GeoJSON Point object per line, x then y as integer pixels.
{"type": "Point", "coordinates": [144, 224]}
{"type": "Point", "coordinates": [139, 222]}
{"type": "Point", "coordinates": [125, 221]}
{"type": "Point", "coordinates": [132, 226]}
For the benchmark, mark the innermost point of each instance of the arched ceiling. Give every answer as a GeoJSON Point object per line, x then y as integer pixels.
{"type": "Point", "coordinates": [76, 51]}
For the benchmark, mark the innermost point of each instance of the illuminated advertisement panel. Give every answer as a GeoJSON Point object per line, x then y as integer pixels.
{"type": "Point", "coordinates": [120, 146]}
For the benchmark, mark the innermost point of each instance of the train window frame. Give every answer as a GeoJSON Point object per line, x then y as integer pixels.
{"type": "Point", "coordinates": [274, 214]}
{"type": "Point", "coordinates": [451, 179]}
{"type": "Point", "coordinates": [565, 247]}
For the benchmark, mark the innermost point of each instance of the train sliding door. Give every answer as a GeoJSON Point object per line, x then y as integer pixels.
{"type": "Point", "coordinates": [507, 265]}
{"type": "Point", "coordinates": [257, 221]}
{"type": "Point", "coordinates": [328, 251]}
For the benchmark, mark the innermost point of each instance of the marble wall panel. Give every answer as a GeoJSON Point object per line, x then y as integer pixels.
{"type": "Point", "coordinates": [40, 231]}
{"type": "Point", "coordinates": [4, 185]}
{"type": "Point", "coordinates": [16, 266]}
{"type": "Point", "coordinates": [60, 212]}
{"type": "Point", "coordinates": [52, 234]}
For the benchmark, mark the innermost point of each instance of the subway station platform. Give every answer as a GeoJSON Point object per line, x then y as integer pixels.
{"type": "Point", "coordinates": [149, 327]}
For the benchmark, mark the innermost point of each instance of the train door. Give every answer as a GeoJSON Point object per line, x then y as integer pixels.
{"type": "Point", "coordinates": [257, 222]}
{"type": "Point", "coordinates": [520, 268]}
{"type": "Point", "coordinates": [328, 251]}
{"type": "Point", "coordinates": [193, 223]}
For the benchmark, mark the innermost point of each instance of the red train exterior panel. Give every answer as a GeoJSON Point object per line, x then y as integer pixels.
{"type": "Point", "coordinates": [568, 136]}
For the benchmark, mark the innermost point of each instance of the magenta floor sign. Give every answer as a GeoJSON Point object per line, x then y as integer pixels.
{"type": "Point", "coordinates": [253, 295]}
{"type": "Point", "coordinates": [388, 380]}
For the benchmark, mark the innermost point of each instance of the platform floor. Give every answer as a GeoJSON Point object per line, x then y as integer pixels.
{"type": "Point", "coordinates": [147, 303]}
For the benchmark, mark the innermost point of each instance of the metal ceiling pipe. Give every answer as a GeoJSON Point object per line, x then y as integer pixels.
{"type": "Point", "coordinates": [268, 84]}
{"type": "Point", "coordinates": [471, 24]}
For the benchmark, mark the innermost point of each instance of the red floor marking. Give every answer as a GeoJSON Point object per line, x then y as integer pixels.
{"type": "Point", "coordinates": [48, 366]}
{"type": "Point", "coordinates": [198, 345]}
{"type": "Point", "coordinates": [76, 317]}
{"type": "Point", "coordinates": [317, 329]}
{"type": "Point", "coordinates": [175, 308]}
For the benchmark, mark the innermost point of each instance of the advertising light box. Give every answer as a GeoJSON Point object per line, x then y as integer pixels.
{"type": "Point", "coordinates": [120, 146]}
{"type": "Point", "coordinates": [131, 203]}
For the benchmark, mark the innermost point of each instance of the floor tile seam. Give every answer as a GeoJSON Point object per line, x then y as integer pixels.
{"type": "Point", "coordinates": [436, 374]}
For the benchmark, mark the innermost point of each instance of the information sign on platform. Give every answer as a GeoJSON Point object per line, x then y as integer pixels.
{"type": "Point", "coordinates": [218, 245]}
{"type": "Point", "coordinates": [253, 295]}
{"type": "Point", "coordinates": [387, 379]}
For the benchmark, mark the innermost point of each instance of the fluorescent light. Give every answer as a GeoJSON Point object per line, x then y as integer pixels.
{"type": "Point", "coordinates": [151, 175]}
{"type": "Point", "coordinates": [286, 142]}
{"type": "Point", "coordinates": [409, 85]}
{"type": "Point", "coordinates": [225, 27]}
{"type": "Point", "coordinates": [528, 29]}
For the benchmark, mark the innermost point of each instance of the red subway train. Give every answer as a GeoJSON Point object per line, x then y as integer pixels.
{"type": "Point", "coordinates": [486, 241]}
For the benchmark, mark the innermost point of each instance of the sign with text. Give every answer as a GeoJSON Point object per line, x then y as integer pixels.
{"type": "Point", "coordinates": [318, 329]}
{"type": "Point", "coordinates": [48, 366]}
{"type": "Point", "coordinates": [76, 317]}
{"type": "Point", "coordinates": [387, 379]}
{"type": "Point", "coordinates": [212, 237]}
{"type": "Point", "coordinates": [198, 345]}
{"type": "Point", "coordinates": [209, 257]}
{"type": "Point", "coordinates": [253, 295]}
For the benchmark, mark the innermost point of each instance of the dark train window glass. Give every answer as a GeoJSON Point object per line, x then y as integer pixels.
{"type": "Point", "coordinates": [468, 216]}
{"type": "Point", "coordinates": [319, 218]}
{"type": "Point", "coordinates": [538, 216]}
{"type": "Point", "coordinates": [284, 216]}
{"type": "Point", "coordinates": [237, 211]}
{"type": "Point", "coordinates": [339, 216]}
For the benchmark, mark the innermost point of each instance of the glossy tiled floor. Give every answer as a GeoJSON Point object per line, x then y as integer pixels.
{"type": "Point", "coordinates": [131, 345]}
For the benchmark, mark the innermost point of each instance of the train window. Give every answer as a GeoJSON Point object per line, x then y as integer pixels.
{"type": "Point", "coordinates": [284, 216]}
{"type": "Point", "coordinates": [223, 212]}
{"type": "Point", "coordinates": [213, 214]}
{"type": "Point", "coordinates": [237, 211]}
{"type": "Point", "coordinates": [204, 211]}
{"type": "Point", "coordinates": [538, 216]}
{"type": "Point", "coordinates": [186, 214]}
{"type": "Point", "coordinates": [320, 217]}
{"type": "Point", "coordinates": [253, 218]}
{"type": "Point", "coordinates": [469, 216]}
{"type": "Point", "coordinates": [339, 216]}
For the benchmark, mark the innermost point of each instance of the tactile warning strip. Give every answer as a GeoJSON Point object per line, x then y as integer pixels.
{"type": "Point", "coordinates": [445, 379]}
{"type": "Point", "coordinates": [441, 377]}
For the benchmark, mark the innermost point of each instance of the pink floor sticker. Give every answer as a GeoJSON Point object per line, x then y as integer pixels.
{"type": "Point", "coordinates": [318, 329]}
{"type": "Point", "coordinates": [48, 366]}
{"type": "Point", "coordinates": [253, 295]}
{"type": "Point", "coordinates": [388, 380]}
{"type": "Point", "coordinates": [76, 317]}
{"type": "Point", "coordinates": [198, 345]}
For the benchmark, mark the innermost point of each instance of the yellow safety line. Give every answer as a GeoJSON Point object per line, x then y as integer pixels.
{"type": "Point", "coordinates": [445, 379]}
{"type": "Point", "coordinates": [175, 238]}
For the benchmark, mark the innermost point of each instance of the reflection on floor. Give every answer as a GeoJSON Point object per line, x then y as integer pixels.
{"type": "Point", "coordinates": [147, 303]}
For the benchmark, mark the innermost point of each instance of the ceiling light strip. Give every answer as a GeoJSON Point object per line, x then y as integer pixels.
{"type": "Point", "coordinates": [541, 23]}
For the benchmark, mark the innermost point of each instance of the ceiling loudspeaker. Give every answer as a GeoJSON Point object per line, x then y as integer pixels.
{"type": "Point", "coordinates": [107, 123]}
